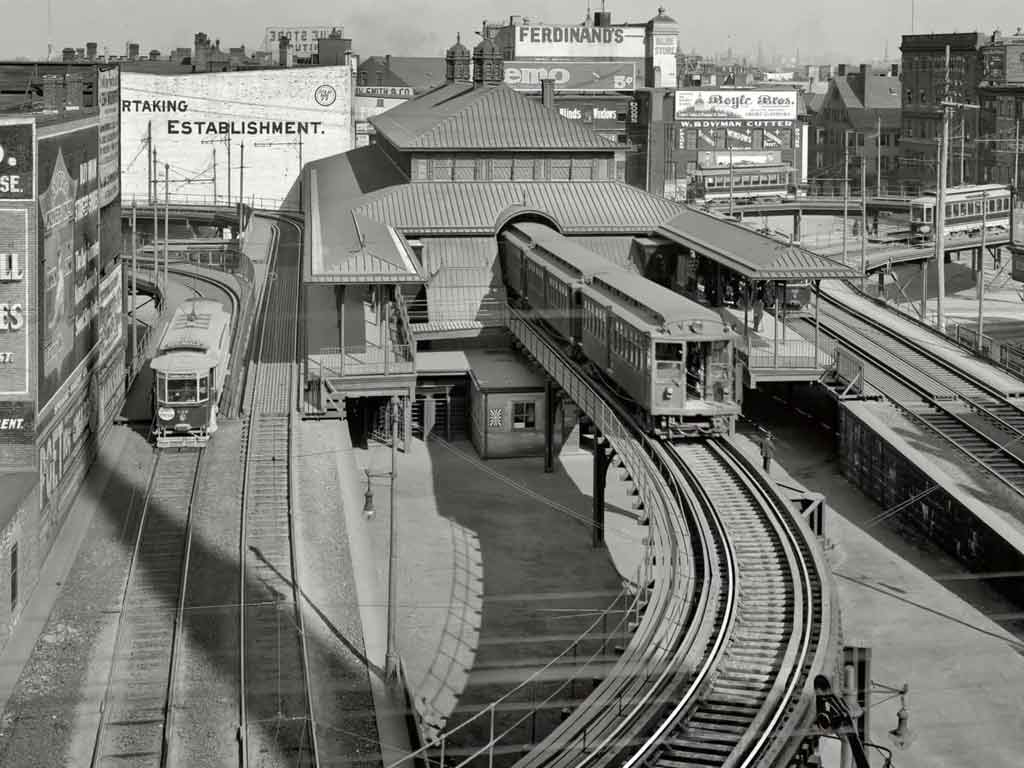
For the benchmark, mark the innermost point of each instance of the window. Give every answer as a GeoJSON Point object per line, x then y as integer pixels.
{"type": "Point", "coordinates": [560, 168]}
{"type": "Point", "coordinates": [501, 169]}
{"type": "Point", "coordinates": [442, 170]}
{"type": "Point", "coordinates": [380, 78]}
{"type": "Point", "coordinates": [181, 390]}
{"type": "Point", "coordinates": [362, 78]}
{"type": "Point", "coordinates": [910, 96]}
{"type": "Point", "coordinates": [380, 102]}
{"type": "Point", "coordinates": [582, 168]}
{"type": "Point", "coordinates": [524, 415]}
{"type": "Point", "coordinates": [522, 169]}
{"type": "Point", "coordinates": [690, 138]}
{"type": "Point", "coordinates": [420, 167]}
{"type": "Point", "coordinates": [14, 575]}
{"type": "Point", "coordinates": [465, 169]}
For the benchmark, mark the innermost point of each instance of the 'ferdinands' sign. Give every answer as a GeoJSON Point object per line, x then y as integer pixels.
{"type": "Point", "coordinates": [199, 121]}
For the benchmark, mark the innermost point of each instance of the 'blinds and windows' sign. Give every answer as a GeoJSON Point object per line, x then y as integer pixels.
{"type": "Point", "coordinates": [200, 121]}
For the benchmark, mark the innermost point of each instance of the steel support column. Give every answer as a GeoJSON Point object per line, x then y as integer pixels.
{"type": "Point", "coordinates": [924, 288]}
{"type": "Point", "coordinates": [601, 462]}
{"type": "Point", "coordinates": [549, 425]}
{"type": "Point", "coordinates": [797, 226]}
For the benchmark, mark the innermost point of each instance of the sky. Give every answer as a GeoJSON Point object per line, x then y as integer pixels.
{"type": "Point", "coordinates": [842, 31]}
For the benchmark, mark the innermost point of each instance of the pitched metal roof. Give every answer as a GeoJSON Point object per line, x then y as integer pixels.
{"type": "Point", "coordinates": [482, 207]}
{"type": "Point", "coordinates": [749, 253]}
{"type": "Point", "coordinates": [616, 248]}
{"type": "Point", "coordinates": [463, 279]}
{"type": "Point", "coordinates": [458, 116]}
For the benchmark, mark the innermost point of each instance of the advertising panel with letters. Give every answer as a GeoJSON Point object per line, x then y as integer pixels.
{"type": "Point", "coordinates": [571, 75]}
{"type": "Point", "coordinates": [17, 257]}
{"type": "Point", "coordinates": [69, 248]}
{"type": "Point", "coordinates": [17, 159]}
{"type": "Point", "coordinates": [17, 435]}
{"type": "Point", "coordinates": [579, 42]}
{"type": "Point", "coordinates": [736, 105]}
{"type": "Point", "coordinates": [110, 323]}
{"type": "Point", "coordinates": [110, 136]}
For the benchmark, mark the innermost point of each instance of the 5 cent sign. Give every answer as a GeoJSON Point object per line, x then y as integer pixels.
{"type": "Point", "coordinates": [16, 160]}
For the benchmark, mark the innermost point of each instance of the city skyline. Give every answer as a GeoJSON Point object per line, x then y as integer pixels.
{"type": "Point", "coordinates": [846, 33]}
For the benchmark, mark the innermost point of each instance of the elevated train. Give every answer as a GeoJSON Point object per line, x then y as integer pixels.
{"type": "Point", "coordinates": [670, 358]}
{"type": "Point", "coordinates": [189, 372]}
{"type": "Point", "coordinates": [964, 213]}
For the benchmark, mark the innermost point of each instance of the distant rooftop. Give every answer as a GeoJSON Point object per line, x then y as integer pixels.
{"type": "Point", "coordinates": [49, 91]}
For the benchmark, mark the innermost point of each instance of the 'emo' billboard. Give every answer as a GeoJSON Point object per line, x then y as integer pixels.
{"type": "Point", "coordinates": [69, 252]}
{"type": "Point", "coordinates": [199, 123]}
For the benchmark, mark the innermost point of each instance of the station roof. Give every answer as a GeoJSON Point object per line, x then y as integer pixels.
{"type": "Point", "coordinates": [461, 116]}
{"type": "Point", "coordinates": [482, 207]}
{"type": "Point", "coordinates": [746, 252]}
{"type": "Point", "coordinates": [502, 370]}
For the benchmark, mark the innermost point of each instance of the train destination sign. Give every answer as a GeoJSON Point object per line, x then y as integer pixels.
{"type": "Point", "coordinates": [16, 160]}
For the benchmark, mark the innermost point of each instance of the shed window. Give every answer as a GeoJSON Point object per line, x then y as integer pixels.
{"type": "Point", "coordinates": [524, 415]}
{"type": "Point", "coordinates": [523, 169]}
{"type": "Point", "coordinates": [560, 168]}
{"type": "Point", "coordinates": [582, 168]}
{"type": "Point", "coordinates": [442, 169]}
{"type": "Point", "coordinates": [501, 169]}
{"type": "Point", "coordinates": [465, 169]}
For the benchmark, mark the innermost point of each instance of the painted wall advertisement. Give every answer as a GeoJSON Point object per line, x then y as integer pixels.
{"type": "Point", "coordinates": [17, 160]}
{"type": "Point", "coordinates": [736, 105]}
{"type": "Point", "coordinates": [17, 434]}
{"type": "Point", "coordinates": [69, 223]}
{"type": "Point", "coordinates": [111, 317]}
{"type": "Point", "coordinates": [571, 75]}
{"type": "Point", "coordinates": [62, 448]}
{"type": "Point", "coordinates": [16, 267]}
{"type": "Point", "coordinates": [110, 136]}
{"type": "Point", "coordinates": [200, 121]}
{"type": "Point", "coordinates": [576, 42]}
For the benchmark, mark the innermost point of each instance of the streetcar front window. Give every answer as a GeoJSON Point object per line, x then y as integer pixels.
{"type": "Point", "coordinates": [204, 388]}
{"type": "Point", "coordinates": [182, 389]}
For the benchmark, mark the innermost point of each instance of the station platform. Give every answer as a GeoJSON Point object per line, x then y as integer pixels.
{"type": "Point", "coordinates": [945, 348]}
{"type": "Point", "coordinates": [775, 352]}
{"type": "Point", "coordinates": [926, 626]}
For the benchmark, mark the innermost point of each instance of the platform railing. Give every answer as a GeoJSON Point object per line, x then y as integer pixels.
{"type": "Point", "coordinates": [489, 312]}
{"type": "Point", "coordinates": [216, 201]}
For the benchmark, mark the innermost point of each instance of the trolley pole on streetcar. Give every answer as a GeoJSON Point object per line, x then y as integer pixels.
{"type": "Point", "coordinates": [167, 218]}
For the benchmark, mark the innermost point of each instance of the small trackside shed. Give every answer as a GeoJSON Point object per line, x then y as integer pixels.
{"type": "Point", "coordinates": [506, 405]}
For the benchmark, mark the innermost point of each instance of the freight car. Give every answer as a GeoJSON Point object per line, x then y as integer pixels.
{"type": "Point", "coordinates": [189, 371]}
{"type": "Point", "coordinates": [669, 358]}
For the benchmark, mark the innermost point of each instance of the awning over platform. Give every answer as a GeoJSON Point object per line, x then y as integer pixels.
{"type": "Point", "coordinates": [463, 280]}
{"type": "Point", "coordinates": [746, 252]}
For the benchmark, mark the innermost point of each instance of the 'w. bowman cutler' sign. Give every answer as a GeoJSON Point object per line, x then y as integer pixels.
{"type": "Point", "coordinates": [623, 42]}
{"type": "Point", "coordinates": [736, 105]}
{"type": "Point", "coordinates": [200, 120]}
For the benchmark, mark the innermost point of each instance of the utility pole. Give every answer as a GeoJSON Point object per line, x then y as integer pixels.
{"type": "Point", "coordinates": [940, 224]}
{"type": "Point", "coordinates": [298, 144]}
{"type": "Point", "coordinates": [963, 151]}
{"type": "Point", "coordinates": [731, 185]}
{"type": "Point", "coordinates": [241, 188]}
{"type": "Point", "coordinates": [156, 225]}
{"type": "Point", "coordinates": [149, 162]}
{"type": "Point", "coordinates": [135, 325]}
{"type": "Point", "coordinates": [1016, 156]}
{"type": "Point", "coordinates": [863, 221]}
{"type": "Point", "coordinates": [846, 188]}
{"type": "Point", "coordinates": [167, 218]}
{"type": "Point", "coordinates": [215, 176]}
{"type": "Point", "coordinates": [981, 269]}
{"type": "Point", "coordinates": [223, 140]}
{"type": "Point", "coordinates": [878, 152]}
{"type": "Point", "coordinates": [391, 658]}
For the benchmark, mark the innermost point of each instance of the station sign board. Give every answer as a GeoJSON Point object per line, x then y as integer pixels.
{"type": "Point", "coordinates": [578, 42]}
{"type": "Point", "coordinates": [736, 105]}
{"type": "Point", "coordinates": [17, 159]}
{"type": "Point", "coordinates": [584, 76]}
{"type": "Point", "coordinates": [17, 260]}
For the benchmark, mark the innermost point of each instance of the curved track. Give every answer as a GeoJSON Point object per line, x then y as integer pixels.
{"type": "Point", "coordinates": [277, 724]}
{"type": "Point", "coordinates": [944, 400]}
{"type": "Point", "coordinates": [135, 713]}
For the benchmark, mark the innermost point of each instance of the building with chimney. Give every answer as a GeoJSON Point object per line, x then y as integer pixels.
{"type": "Point", "coordinates": [927, 81]}
{"type": "Point", "coordinates": [864, 105]}
{"type": "Point", "coordinates": [383, 82]}
{"type": "Point", "coordinates": [1001, 141]}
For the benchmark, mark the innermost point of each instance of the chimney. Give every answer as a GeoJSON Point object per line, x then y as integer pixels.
{"type": "Point", "coordinates": [68, 54]}
{"type": "Point", "coordinates": [863, 70]}
{"type": "Point", "coordinates": [894, 71]}
{"type": "Point", "coordinates": [841, 70]}
{"type": "Point", "coordinates": [90, 51]}
{"type": "Point", "coordinates": [284, 52]}
{"type": "Point", "coordinates": [387, 62]}
{"type": "Point", "coordinates": [154, 55]}
{"type": "Point", "coordinates": [547, 92]}
{"type": "Point", "coordinates": [133, 51]}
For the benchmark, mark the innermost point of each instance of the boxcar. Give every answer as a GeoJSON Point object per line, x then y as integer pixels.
{"type": "Point", "coordinates": [189, 371]}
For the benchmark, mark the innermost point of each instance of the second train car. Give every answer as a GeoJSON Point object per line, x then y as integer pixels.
{"type": "Point", "coordinates": [671, 358]}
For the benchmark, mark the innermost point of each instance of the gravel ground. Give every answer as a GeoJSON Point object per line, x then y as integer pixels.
{"type": "Point", "coordinates": [51, 716]}
{"type": "Point", "coordinates": [343, 705]}
{"type": "Point", "coordinates": [205, 718]}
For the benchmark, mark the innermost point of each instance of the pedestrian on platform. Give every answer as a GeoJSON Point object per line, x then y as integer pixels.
{"type": "Point", "coordinates": [758, 312]}
{"type": "Point", "coordinates": [997, 258]}
{"type": "Point", "coordinates": [767, 451]}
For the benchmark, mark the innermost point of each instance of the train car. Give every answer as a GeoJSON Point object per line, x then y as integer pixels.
{"type": "Point", "coordinates": [670, 357]}
{"type": "Point", "coordinates": [189, 372]}
{"type": "Point", "coordinates": [964, 214]}
{"type": "Point", "coordinates": [742, 183]}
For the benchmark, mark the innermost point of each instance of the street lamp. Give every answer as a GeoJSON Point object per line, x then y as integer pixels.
{"type": "Point", "coordinates": [391, 659]}
{"type": "Point", "coordinates": [837, 716]}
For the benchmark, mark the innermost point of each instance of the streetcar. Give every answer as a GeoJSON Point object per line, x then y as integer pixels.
{"type": "Point", "coordinates": [743, 183]}
{"type": "Point", "coordinates": [964, 214]}
{"type": "Point", "coordinates": [189, 371]}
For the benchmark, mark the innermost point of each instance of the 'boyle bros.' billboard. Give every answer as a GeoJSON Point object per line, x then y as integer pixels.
{"type": "Point", "coordinates": [698, 108]}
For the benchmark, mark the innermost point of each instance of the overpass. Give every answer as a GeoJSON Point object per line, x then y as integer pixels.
{"type": "Point", "coordinates": [924, 253]}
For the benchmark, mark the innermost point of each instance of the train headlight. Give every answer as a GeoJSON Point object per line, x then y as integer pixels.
{"type": "Point", "coordinates": [924, 229]}
{"type": "Point", "coordinates": [667, 394]}
{"type": "Point", "coordinates": [165, 414]}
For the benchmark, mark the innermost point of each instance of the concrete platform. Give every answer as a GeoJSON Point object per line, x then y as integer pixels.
{"type": "Point", "coordinates": [947, 349]}
{"type": "Point", "coordinates": [991, 501]}
{"type": "Point", "coordinates": [965, 672]}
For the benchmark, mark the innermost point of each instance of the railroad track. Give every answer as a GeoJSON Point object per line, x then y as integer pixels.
{"type": "Point", "coordinates": [737, 623]}
{"type": "Point", "coordinates": [767, 624]}
{"type": "Point", "coordinates": [134, 718]}
{"type": "Point", "coordinates": [943, 400]}
{"type": "Point", "coordinates": [277, 724]}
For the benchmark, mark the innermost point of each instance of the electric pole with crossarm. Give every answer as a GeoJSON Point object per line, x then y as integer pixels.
{"type": "Point", "coordinates": [222, 140]}
{"type": "Point", "coordinates": [297, 143]}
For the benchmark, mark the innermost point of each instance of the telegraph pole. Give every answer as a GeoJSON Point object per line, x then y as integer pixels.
{"type": "Point", "coordinates": [846, 188]}
{"type": "Point", "coordinates": [732, 191]}
{"type": "Point", "coordinates": [863, 221]}
{"type": "Point", "coordinates": [878, 152]}
{"type": "Point", "coordinates": [940, 224]}
{"type": "Point", "coordinates": [167, 218]}
{"type": "Point", "coordinates": [135, 325]}
{"type": "Point", "coordinates": [149, 162]}
{"type": "Point", "coordinates": [1016, 155]}
{"type": "Point", "coordinates": [981, 269]}
{"type": "Point", "coordinates": [215, 176]}
{"type": "Point", "coordinates": [241, 187]}
{"type": "Point", "coordinates": [222, 140]}
{"type": "Point", "coordinates": [156, 225]}
{"type": "Point", "coordinates": [963, 151]}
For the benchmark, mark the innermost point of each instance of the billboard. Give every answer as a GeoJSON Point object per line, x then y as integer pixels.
{"type": "Point", "coordinates": [571, 75]}
{"type": "Point", "coordinates": [736, 105]}
{"type": "Point", "coordinates": [17, 159]}
{"type": "Point", "coordinates": [611, 112]}
{"type": "Point", "coordinates": [69, 248]}
{"type": "Point", "coordinates": [110, 136]}
{"type": "Point", "coordinates": [109, 325]}
{"type": "Point", "coordinates": [578, 42]}
{"type": "Point", "coordinates": [65, 437]}
{"type": "Point", "coordinates": [723, 159]}
{"type": "Point", "coordinates": [17, 435]}
{"type": "Point", "coordinates": [17, 257]}
{"type": "Point", "coordinates": [199, 121]}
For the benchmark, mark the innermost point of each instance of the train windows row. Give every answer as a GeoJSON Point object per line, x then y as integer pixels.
{"type": "Point", "coordinates": [763, 179]}
{"type": "Point", "coordinates": [627, 344]}
{"type": "Point", "coordinates": [973, 207]}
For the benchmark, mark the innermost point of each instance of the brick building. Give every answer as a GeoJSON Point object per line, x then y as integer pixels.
{"type": "Point", "coordinates": [1002, 108]}
{"type": "Point", "coordinates": [868, 104]}
{"type": "Point", "coordinates": [925, 86]}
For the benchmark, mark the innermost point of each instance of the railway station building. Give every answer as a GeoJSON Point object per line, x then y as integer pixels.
{"type": "Point", "coordinates": [62, 345]}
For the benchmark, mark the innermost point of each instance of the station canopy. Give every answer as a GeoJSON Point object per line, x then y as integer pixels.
{"type": "Point", "coordinates": [748, 253]}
